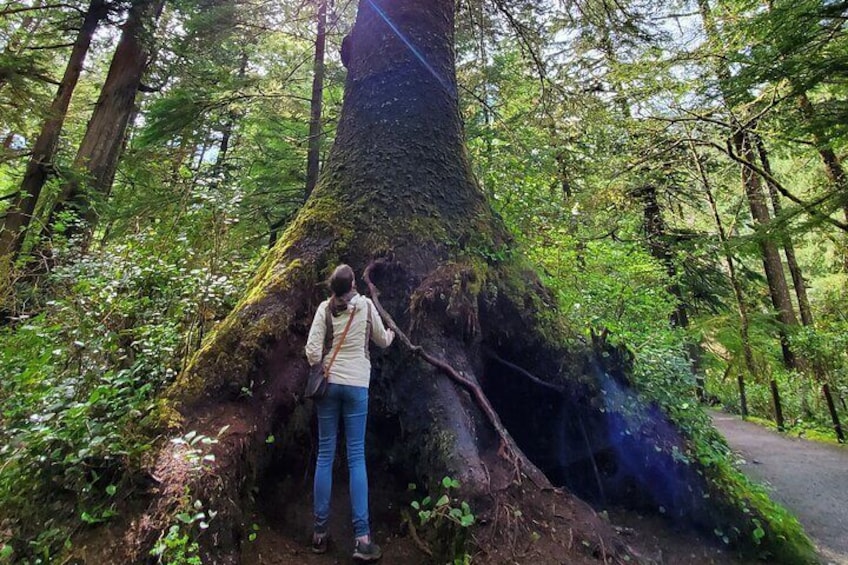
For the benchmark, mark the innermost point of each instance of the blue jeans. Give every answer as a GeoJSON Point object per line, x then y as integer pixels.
{"type": "Point", "coordinates": [351, 404]}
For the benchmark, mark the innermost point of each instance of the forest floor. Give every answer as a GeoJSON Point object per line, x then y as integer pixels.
{"type": "Point", "coordinates": [283, 536]}
{"type": "Point", "coordinates": [283, 531]}
{"type": "Point", "coordinates": [807, 477]}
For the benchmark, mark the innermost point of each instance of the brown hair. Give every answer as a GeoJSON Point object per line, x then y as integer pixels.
{"type": "Point", "coordinates": [341, 284]}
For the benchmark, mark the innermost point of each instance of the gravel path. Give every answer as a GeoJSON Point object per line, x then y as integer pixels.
{"type": "Point", "coordinates": [809, 478]}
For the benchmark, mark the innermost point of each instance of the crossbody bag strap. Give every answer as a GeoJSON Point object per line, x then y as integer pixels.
{"type": "Point", "coordinates": [339, 346]}
{"type": "Point", "coordinates": [368, 333]}
{"type": "Point", "coordinates": [328, 331]}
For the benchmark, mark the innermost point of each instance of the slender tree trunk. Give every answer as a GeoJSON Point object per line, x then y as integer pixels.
{"type": "Point", "coordinates": [97, 157]}
{"type": "Point", "coordinates": [656, 233]}
{"type": "Point", "coordinates": [752, 184]}
{"type": "Point", "coordinates": [483, 54]}
{"type": "Point", "coordinates": [772, 263]}
{"type": "Point", "coordinates": [834, 415]}
{"type": "Point", "coordinates": [832, 164]}
{"type": "Point", "coordinates": [741, 305]}
{"type": "Point", "coordinates": [20, 212]}
{"type": "Point", "coordinates": [22, 36]}
{"type": "Point", "coordinates": [788, 247]}
{"type": "Point", "coordinates": [220, 171]}
{"type": "Point", "coordinates": [315, 125]}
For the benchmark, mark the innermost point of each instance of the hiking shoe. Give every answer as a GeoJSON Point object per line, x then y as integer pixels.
{"type": "Point", "coordinates": [320, 542]}
{"type": "Point", "coordinates": [367, 551]}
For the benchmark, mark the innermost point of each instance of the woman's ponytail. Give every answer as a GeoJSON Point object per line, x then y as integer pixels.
{"type": "Point", "coordinates": [341, 284]}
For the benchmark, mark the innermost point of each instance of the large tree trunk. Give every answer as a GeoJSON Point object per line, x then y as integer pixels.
{"type": "Point", "coordinates": [97, 158]}
{"type": "Point", "coordinates": [20, 211]}
{"type": "Point", "coordinates": [397, 188]}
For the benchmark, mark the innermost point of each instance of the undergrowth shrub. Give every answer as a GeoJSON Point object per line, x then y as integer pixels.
{"type": "Point", "coordinates": [79, 379]}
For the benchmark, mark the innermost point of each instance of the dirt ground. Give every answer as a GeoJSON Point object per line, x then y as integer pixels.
{"type": "Point", "coordinates": [809, 478]}
{"type": "Point", "coordinates": [282, 533]}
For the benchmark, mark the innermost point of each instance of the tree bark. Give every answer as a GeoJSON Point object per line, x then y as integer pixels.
{"type": "Point", "coordinates": [20, 211]}
{"type": "Point", "coordinates": [397, 192]}
{"type": "Point", "coordinates": [97, 158]}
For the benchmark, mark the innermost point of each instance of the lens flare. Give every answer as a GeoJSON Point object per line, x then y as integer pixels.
{"type": "Point", "coordinates": [414, 50]}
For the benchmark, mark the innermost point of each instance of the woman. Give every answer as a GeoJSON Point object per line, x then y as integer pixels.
{"type": "Point", "coordinates": [346, 399]}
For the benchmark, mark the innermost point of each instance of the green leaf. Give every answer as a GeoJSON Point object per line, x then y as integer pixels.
{"type": "Point", "coordinates": [111, 490]}
{"type": "Point", "coordinates": [442, 501]}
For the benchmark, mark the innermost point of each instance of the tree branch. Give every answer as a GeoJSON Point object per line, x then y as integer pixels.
{"type": "Point", "coordinates": [48, 47]}
{"type": "Point", "coordinates": [809, 207]}
{"type": "Point", "coordinates": [10, 11]}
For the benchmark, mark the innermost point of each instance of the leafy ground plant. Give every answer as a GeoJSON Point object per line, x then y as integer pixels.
{"type": "Point", "coordinates": [444, 523]}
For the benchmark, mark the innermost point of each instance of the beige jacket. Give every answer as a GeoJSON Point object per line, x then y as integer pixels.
{"type": "Point", "coordinates": [353, 364]}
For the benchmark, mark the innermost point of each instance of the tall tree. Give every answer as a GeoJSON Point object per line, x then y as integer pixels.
{"type": "Point", "coordinates": [788, 245]}
{"type": "Point", "coordinates": [831, 161]}
{"type": "Point", "coordinates": [397, 196]}
{"type": "Point", "coordinates": [19, 214]}
{"type": "Point", "coordinates": [743, 142]}
{"type": "Point", "coordinates": [741, 305]}
{"type": "Point", "coordinates": [97, 158]}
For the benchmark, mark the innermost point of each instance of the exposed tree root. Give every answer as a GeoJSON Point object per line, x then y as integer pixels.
{"type": "Point", "coordinates": [508, 449]}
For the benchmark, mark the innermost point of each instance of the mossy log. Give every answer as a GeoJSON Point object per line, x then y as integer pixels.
{"type": "Point", "coordinates": [398, 186]}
